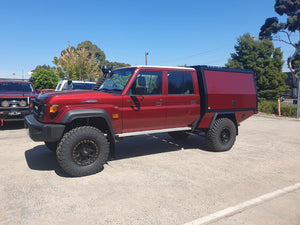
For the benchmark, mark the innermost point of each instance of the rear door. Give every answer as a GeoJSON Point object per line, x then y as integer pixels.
{"type": "Point", "coordinates": [144, 106]}
{"type": "Point", "coordinates": [183, 100]}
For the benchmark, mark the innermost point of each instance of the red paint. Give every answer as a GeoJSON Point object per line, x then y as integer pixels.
{"type": "Point", "coordinates": [226, 91]}
{"type": "Point", "coordinates": [230, 90]}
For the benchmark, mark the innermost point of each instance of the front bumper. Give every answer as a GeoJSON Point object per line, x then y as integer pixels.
{"type": "Point", "coordinates": [43, 131]}
{"type": "Point", "coordinates": [14, 113]}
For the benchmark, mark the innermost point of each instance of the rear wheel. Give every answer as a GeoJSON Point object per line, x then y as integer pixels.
{"type": "Point", "coordinates": [222, 135]}
{"type": "Point", "coordinates": [83, 151]}
{"type": "Point", "coordinates": [178, 135]}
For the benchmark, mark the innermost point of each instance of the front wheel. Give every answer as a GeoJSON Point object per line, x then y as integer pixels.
{"type": "Point", "coordinates": [82, 151]}
{"type": "Point", "coordinates": [221, 136]}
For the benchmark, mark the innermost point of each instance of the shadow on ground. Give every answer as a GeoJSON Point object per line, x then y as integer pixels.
{"type": "Point", "coordinates": [41, 158]}
{"type": "Point", "coordinates": [155, 144]}
{"type": "Point", "coordinates": [13, 125]}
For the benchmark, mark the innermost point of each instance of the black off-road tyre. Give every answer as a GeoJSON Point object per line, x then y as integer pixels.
{"type": "Point", "coordinates": [82, 151]}
{"type": "Point", "coordinates": [178, 135]}
{"type": "Point", "coordinates": [221, 136]}
{"type": "Point", "coordinates": [52, 146]}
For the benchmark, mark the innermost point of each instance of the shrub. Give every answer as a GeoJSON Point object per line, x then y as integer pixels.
{"type": "Point", "coordinates": [287, 110]}
{"type": "Point", "coordinates": [271, 107]}
{"type": "Point", "coordinates": [268, 107]}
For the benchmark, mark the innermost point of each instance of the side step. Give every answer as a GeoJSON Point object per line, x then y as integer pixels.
{"type": "Point", "coordinates": [154, 131]}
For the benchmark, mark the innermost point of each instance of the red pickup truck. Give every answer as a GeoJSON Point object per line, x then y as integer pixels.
{"type": "Point", "coordinates": [82, 127]}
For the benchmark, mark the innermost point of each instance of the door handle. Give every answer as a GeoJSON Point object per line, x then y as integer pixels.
{"type": "Point", "coordinates": [193, 102]}
{"type": "Point", "coordinates": [158, 103]}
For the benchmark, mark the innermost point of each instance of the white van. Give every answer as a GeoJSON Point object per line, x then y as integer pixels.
{"type": "Point", "coordinates": [65, 85]}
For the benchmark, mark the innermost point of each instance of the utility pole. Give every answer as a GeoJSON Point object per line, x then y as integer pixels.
{"type": "Point", "coordinates": [146, 53]}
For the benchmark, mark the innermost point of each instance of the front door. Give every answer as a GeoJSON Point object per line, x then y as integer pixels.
{"type": "Point", "coordinates": [144, 105]}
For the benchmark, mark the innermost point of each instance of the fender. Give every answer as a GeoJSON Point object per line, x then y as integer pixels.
{"type": "Point", "coordinates": [224, 114]}
{"type": "Point", "coordinates": [87, 113]}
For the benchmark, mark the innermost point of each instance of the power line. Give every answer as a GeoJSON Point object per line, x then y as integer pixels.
{"type": "Point", "coordinates": [194, 55]}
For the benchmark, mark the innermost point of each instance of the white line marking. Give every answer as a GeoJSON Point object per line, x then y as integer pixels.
{"type": "Point", "coordinates": [242, 206]}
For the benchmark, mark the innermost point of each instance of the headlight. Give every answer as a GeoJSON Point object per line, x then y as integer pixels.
{"type": "Point", "coordinates": [22, 103]}
{"type": "Point", "coordinates": [4, 103]}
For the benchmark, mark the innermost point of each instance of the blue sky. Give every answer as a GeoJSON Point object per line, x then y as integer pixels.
{"type": "Point", "coordinates": [174, 32]}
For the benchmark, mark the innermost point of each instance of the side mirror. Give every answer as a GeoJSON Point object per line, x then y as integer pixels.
{"type": "Point", "coordinates": [38, 91]}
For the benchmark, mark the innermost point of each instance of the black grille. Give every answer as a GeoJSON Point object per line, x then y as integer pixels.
{"type": "Point", "coordinates": [38, 109]}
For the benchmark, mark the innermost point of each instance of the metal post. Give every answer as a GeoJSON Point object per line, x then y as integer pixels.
{"type": "Point", "coordinates": [146, 53]}
{"type": "Point", "coordinates": [298, 100]}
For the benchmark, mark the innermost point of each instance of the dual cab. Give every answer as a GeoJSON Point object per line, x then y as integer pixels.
{"type": "Point", "coordinates": [82, 127]}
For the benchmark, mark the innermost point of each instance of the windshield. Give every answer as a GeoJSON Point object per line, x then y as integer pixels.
{"type": "Point", "coordinates": [117, 81]}
{"type": "Point", "coordinates": [16, 87]}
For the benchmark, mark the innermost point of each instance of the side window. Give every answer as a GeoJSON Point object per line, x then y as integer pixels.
{"type": "Point", "coordinates": [147, 83]}
{"type": "Point", "coordinates": [180, 83]}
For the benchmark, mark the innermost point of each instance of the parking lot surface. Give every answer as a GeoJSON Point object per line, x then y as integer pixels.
{"type": "Point", "coordinates": [157, 180]}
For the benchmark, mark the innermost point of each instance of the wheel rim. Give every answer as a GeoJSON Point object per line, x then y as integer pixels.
{"type": "Point", "coordinates": [225, 136]}
{"type": "Point", "coordinates": [85, 152]}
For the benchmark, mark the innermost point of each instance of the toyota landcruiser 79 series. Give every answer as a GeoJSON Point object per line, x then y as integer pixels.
{"type": "Point", "coordinates": [81, 127]}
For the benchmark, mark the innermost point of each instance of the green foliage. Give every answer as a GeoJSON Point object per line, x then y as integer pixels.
{"type": "Point", "coordinates": [271, 107]}
{"type": "Point", "coordinates": [272, 30]}
{"type": "Point", "coordinates": [93, 51]}
{"type": "Point", "coordinates": [290, 8]}
{"type": "Point", "coordinates": [287, 110]}
{"type": "Point", "coordinates": [44, 78]}
{"type": "Point", "coordinates": [83, 62]}
{"type": "Point", "coordinates": [46, 67]}
{"type": "Point", "coordinates": [116, 65]}
{"type": "Point", "coordinates": [296, 63]}
{"type": "Point", "coordinates": [265, 61]}
{"type": "Point", "coordinates": [78, 64]}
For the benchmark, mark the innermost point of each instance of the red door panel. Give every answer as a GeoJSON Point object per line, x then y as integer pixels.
{"type": "Point", "coordinates": [143, 113]}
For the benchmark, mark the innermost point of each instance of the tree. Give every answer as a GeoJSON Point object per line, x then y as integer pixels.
{"type": "Point", "coordinates": [273, 30]}
{"type": "Point", "coordinates": [77, 64]}
{"type": "Point", "coordinates": [46, 67]}
{"type": "Point", "coordinates": [265, 61]}
{"type": "Point", "coordinates": [115, 65]}
{"type": "Point", "coordinates": [93, 51]}
{"type": "Point", "coordinates": [44, 78]}
{"type": "Point", "coordinates": [83, 62]}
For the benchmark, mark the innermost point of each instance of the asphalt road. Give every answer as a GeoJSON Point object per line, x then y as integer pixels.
{"type": "Point", "coordinates": [156, 180]}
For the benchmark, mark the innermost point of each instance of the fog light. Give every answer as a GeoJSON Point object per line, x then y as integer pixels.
{"type": "Point", "coordinates": [22, 103]}
{"type": "Point", "coordinates": [4, 103]}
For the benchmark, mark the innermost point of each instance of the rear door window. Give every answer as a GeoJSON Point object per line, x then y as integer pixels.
{"type": "Point", "coordinates": [180, 83]}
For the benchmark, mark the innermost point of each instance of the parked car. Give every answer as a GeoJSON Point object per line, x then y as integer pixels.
{"type": "Point", "coordinates": [82, 127]}
{"type": "Point", "coordinates": [65, 85]}
{"type": "Point", "coordinates": [15, 99]}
